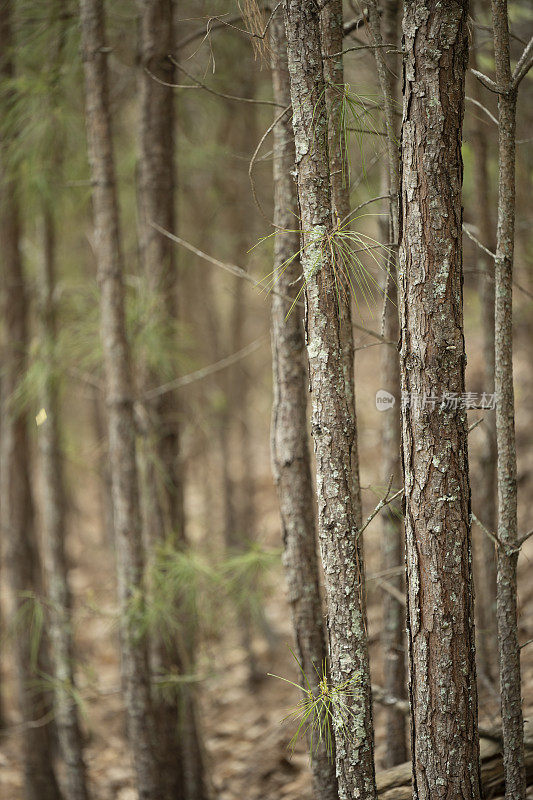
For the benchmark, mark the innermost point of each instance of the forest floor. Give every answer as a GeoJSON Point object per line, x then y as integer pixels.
{"type": "Point", "coordinates": [246, 740]}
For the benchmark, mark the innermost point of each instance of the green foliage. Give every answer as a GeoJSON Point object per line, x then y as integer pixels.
{"type": "Point", "coordinates": [347, 249]}
{"type": "Point", "coordinates": [323, 710]}
{"type": "Point", "coordinates": [181, 586]}
{"type": "Point", "coordinates": [29, 616]}
{"type": "Point", "coordinates": [245, 577]}
{"type": "Point", "coordinates": [186, 592]}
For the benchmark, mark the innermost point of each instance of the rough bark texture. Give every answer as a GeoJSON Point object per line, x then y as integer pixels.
{"type": "Point", "coordinates": [289, 439]}
{"type": "Point", "coordinates": [442, 686]}
{"type": "Point", "coordinates": [119, 395]}
{"type": "Point", "coordinates": [53, 522]}
{"type": "Point", "coordinates": [333, 415]}
{"type": "Point", "coordinates": [486, 622]}
{"type": "Point", "coordinates": [395, 783]}
{"type": "Point", "coordinates": [393, 636]}
{"type": "Point", "coordinates": [16, 502]}
{"type": "Point", "coordinates": [509, 649]}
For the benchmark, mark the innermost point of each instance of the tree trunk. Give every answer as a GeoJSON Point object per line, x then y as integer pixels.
{"type": "Point", "coordinates": [162, 498]}
{"type": "Point", "coordinates": [396, 783]}
{"type": "Point", "coordinates": [240, 503]}
{"type": "Point", "coordinates": [53, 520]}
{"type": "Point", "coordinates": [16, 502]}
{"type": "Point", "coordinates": [393, 637]}
{"type": "Point", "coordinates": [507, 558]}
{"type": "Point", "coordinates": [289, 439]}
{"type": "Point", "coordinates": [120, 393]}
{"type": "Point", "coordinates": [442, 684]}
{"type": "Point", "coordinates": [334, 432]}
{"type": "Point", "coordinates": [487, 494]}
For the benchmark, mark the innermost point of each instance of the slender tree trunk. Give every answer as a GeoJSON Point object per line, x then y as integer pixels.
{"type": "Point", "coordinates": [119, 390]}
{"type": "Point", "coordinates": [290, 446]}
{"type": "Point", "coordinates": [156, 205]}
{"type": "Point", "coordinates": [486, 584]}
{"type": "Point", "coordinates": [54, 501]}
{"type": "Point", "coordinates": [239, 422]}
{"type": "Point", "coordinates": [334, 432]}
{"type": "Point", "coordinates": [440, 624]}
{"type": "Point", "coordinates": [393, 637]}
{"type": "Point", "coordinates": [53, 520]}
{"type": "Point", "coordinates": [162, 499]}
{"type": "Point", "coordinates": [16, 502]}
{"type": "Point", "coordinates": [509, 649]}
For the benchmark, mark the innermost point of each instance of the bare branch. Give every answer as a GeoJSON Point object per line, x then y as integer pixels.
{"type": "Point", "coordinates": [253, 160]}
{"type": "Point", "coordinates": [364, 47]}
{"type": "Point", "coordinates": [201, 85]}
{"type": "Point", "coordinates": [382, 503]}
{"type": "Point", "coordinates": [216, 23]}
{"type": "Point", "coordinates": [507, 549]}
{"type": "Point", "coordinates": [486, 531]}
{"type": "Point", "coordinates": [233, 269]}
{"type": "Point", "coordinates": [483, 108]}
{"type": "Point", "coordinates": [493, 256]}
{"type": "Point", "coordinates": [479, 244]}
{"type": "Point", "coordinates": [524, 65]}
{"type": "Point", "coordinates": [204, 372]}
{"type": "Point", "coordinates": [475, 424]}
{"type": "Point", "coordinates": [488, 83]}
{"type": "Point", "coordinates": [523, 539]}
{"type": "Point", "coordinates": [392, 590]}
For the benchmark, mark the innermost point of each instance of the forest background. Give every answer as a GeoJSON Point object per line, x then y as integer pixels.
{"type": "Point", "coordinates": [212, 356]}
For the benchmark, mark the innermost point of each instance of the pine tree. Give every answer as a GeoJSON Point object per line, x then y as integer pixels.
{"type": "Point", "coordinates": [119, 395]}
{"type": "Point", "coordinates": [23, 565]}
{"type": "Point", "coordinates": [384, 29]}
{"type": "Point", "coordinates": [442, 681]}
{"type": "Point", "coordinates": [289, 439]}
{"type": "Point", "coordinates": [333, 414]}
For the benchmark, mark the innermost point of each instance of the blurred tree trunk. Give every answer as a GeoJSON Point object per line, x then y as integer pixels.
{"type": "Point", "coordinates": [180, 753]}
{"type": "Point", "coordinates": [507, 558]}
{"type": "Point", "coordinates": [120, 394]}
{"type": "Point", "coordinates": [54, 500]}
{"type": "Point", "coordinates": [333, 418]}
{"type": "Point", "coordinates": [385, 29]}
{"type": "Point", "coordinates": [290, 446]}
{"type": "Point", "coordinates": [54, 530]}
{"type": "Point", "coordinates": [443, 693]}
{"type": "Point", "coordinates": [240, 528]}
{"type": "Point", "coordinates": [22, 558]}
{"type": "Point", "coordinates": [16, 502]}
{"type": "Point", "coordinates": [159, 449]}
{"type": "Point", "coordinates": [487, 633]}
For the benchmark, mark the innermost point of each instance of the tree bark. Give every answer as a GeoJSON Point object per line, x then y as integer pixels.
{"type": "Point", "coordinates": [16, 502]}
{"type": "Point", "coordinates": [507, 556]}
{"type": "Point", "coordinates": [393, 637]}
{"type": "Point", "coordinates": [487, 628]}
{"type": "Point", "coordinates": [442, 681]}
{"type": "Point", "coordinates": [395, 783]}
{"type": "Point", "coordinates": [119, 394]}
{"type": "Point", "coordinates": [333, 416]}
{"type": "Point", "coordinates": [289, 439]}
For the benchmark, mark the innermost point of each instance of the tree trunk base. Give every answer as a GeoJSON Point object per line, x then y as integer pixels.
{"type": "Point", "coordinates": [395, 783]}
